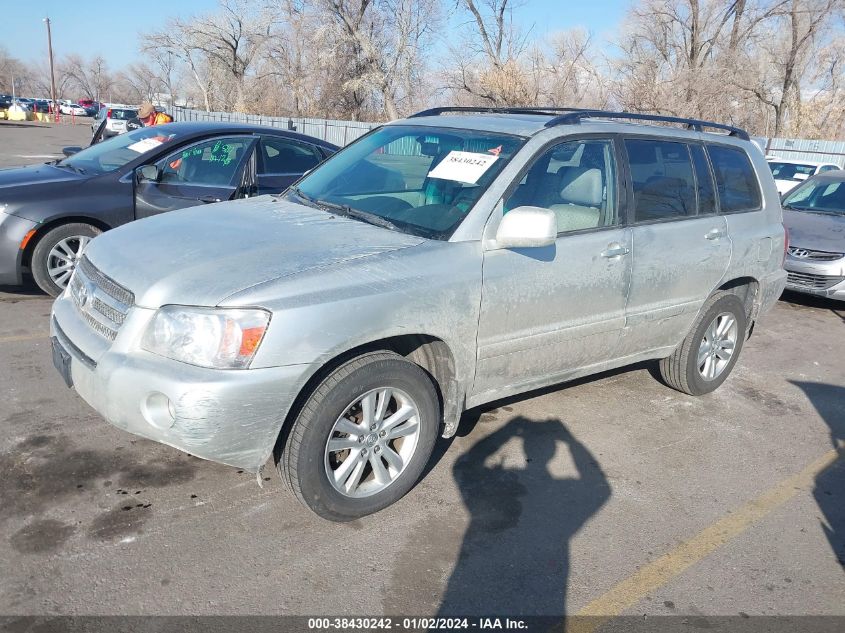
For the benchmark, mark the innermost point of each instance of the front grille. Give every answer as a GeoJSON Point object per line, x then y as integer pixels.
{"type": "Point", "coordinates": [101, 301]}
{"type": "Point", "coordinates": [818, 256]}
{"type": "Point", "coordinates": [816, 282]}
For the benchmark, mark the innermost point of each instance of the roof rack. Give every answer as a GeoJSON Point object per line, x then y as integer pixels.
{"type": "Point", "coordinates": [575, 116]}
{"type": "Point", "coordinates": [494, 110]}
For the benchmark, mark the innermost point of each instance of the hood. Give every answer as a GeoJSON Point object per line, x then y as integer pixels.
{"type": "Point", "coordinates": [17, 179]}
{"type": "Point", "coordinates": [201, 255]}
{"type": "Point", "coordinates": [815, 231]}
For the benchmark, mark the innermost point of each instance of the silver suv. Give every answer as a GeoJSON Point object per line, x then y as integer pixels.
{"type": "Point", "coordinates": [438, 263]}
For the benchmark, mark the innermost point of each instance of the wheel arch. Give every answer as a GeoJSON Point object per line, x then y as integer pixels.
{"type": "Point", "coordinates": [748, 290]}
{"type": "Point", "coordinates": [431, 353]}
{"type": "Point", "coordinates": [46, 226]}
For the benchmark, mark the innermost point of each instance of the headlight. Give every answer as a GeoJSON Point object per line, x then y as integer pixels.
{"type": "Point", "coordinates": [220, 338]}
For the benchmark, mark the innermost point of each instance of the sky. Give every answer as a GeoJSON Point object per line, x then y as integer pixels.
{"type": "Point", "coordinates": [112, 29]}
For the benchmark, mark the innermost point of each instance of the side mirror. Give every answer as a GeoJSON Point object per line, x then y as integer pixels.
{"type": "Point", "coordinates": [527, 227]}
{"type": "Point", "coordinates": [148, 173]}
{"type": "Point", "coordinates": [71, 150]}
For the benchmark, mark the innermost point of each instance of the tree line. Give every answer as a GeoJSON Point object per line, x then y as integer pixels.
{"type": "Point", "coordinates": [775, 67]}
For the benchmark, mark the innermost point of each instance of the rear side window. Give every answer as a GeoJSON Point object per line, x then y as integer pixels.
{"type": "Point", "coordinates": [735, 179]}
{"type": "Point", "coordinates": [662, 175]}
{"type": "Point", "coordinates": [280, 156]}
{"type": "Point", "coordinates": [704, 181]}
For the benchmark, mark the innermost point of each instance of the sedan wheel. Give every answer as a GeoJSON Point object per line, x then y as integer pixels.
{"type": "Point", "coordinates": [63, 258]}
{"type": "Point", "coordinates": [57, 253]}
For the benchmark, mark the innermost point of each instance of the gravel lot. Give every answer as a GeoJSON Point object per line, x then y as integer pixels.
{"type": "Point", "coordinates": [612, 495]}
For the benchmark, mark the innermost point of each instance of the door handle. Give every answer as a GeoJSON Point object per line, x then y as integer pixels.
{"type": "Point", "coordinates": [209, 199]}
{"type": "Point", "coordinates": [714, 234]}
{"type": "Point", "coordinates": [615, 249]}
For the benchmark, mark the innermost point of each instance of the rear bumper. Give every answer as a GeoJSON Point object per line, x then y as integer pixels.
{"type": "Point", "coordinates": [12, 231]}
{"type": "Point", "coordinates": [771, 288]}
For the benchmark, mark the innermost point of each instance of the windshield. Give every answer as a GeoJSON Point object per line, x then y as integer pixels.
{"type": "Point", "coordinates": [123, 115]}
{"type": "Point", "coordinates": [419, 180]}
{"type": "Point", "coordinates": [818, 197]}
{"type": "Point", "coordinates": [117, 151]}
{"type": "Point", "coordinates": [791, 171]}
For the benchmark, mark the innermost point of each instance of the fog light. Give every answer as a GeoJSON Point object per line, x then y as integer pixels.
{"type": "Point", "coordinates": [158, 410]}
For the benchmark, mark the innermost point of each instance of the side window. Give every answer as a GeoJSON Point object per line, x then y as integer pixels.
{"type": "Point", "coordinates": [212, 162]}
{"type": "Point", "coordinates": [735, 179]}
{"type": "Point", "coordinates": [704, 181]}
{"type": "Point", "coordinates": [281, 156]}
{"type": "Point", "coordinates": [576, 180]}
{"type": "Point", "coordinates": [664, 187]}
{"type": "Point", "coordinates": [825, 168]}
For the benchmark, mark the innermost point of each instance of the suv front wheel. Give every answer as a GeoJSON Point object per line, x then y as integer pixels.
{"type": "Point", "coordinates": [707, 355]}
{"type": "Point", "coordinates": [363, 437]}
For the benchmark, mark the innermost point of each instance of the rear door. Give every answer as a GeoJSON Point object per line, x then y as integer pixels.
{"type": "Point", "coordinates": [208, 171]}
{"type": "Point", "coordinates": [282, 161]}
{"type": "Point", "coordinates": [681, 247]}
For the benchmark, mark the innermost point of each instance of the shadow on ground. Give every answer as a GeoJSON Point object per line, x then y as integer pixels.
{"type": "Point", "coordinates": [812, 301]}
{"type": "Point", "coordinates": [829, 490]}
{"type": "Point", "coordinates": [514, 557]}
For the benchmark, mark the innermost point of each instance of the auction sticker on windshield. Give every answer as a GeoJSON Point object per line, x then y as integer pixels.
{"type": "Point", "coordinates": [144, 145]}
{"type": "Point", "coordinates": [465, 167]}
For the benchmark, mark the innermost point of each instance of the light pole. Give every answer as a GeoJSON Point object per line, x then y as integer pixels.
{"type": "Point", "coordinates": [52, 74]}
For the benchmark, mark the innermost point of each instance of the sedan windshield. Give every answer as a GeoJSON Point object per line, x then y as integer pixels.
{"type": "Point", "coordinates": [117, 151]}
{"type": "Point", "coordinates": [818, 196]}
{"type": "Point", "coordinates": [416, 179]}
{"type": "Point", "coordinates": [791, 171]}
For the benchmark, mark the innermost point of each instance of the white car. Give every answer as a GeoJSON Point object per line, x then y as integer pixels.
{"type": "Point", "coordinates": [790, 173]}
{"type": "Point", "coordinates": [72, 108]}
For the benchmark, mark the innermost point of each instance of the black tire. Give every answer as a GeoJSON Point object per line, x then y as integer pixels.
{"type": "Point", "coordinates": [41, 252]}
{"type": "Point", "coordinates": [302, 460]}
{"type": "Point", "coordinates": [680, 370]}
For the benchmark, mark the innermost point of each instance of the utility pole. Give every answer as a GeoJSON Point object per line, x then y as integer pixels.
{"type": "Point", "coordinates": [52, 73]}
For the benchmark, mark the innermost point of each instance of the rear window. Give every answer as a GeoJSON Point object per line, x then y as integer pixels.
{"type": "Point", "coordinates": [736, 182]}
{"type": "Point", "coordinates": [123, 115]}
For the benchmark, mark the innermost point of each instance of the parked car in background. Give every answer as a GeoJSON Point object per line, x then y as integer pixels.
{"type": "Point", "coordinates": [814, 214]}
{"type": "Point", "coordinates": [436, 264]}
{"type": "Point", "coordinates": [49, 212]}
{"type": "Point", "coordinates": [790, 173]}
{"type": "Point", "coordinates": [74, 109]}
{"type": "Point", "coordinates": [115, 119]}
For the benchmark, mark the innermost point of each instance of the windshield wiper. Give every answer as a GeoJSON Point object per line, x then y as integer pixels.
{"type": "Point", "coordinates": [345, 210]}
{"type": "Point", "coordinates": [364, 216]}
{"type": "Point", "coordinates": [78, 170]}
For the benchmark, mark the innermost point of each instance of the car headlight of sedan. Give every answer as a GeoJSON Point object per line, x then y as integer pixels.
{"type": "Point", "coordinates": [219, 338]}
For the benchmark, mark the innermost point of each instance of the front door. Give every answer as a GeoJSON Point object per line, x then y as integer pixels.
{"type": "Point", "coordinates": [208, 171]}
{"type": "Point", "coordinates": [547, 313]}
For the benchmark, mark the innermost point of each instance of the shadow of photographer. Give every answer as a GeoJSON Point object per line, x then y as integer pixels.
{"type": "Point", "coordinates": [514, 559]}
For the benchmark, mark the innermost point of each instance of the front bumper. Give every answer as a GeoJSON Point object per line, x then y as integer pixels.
{"type": "Point", "coordinates": [12, 231]}
{"type": "Point", "coordinates": [822, 279]}
{"type": "Point", "coordinates": [228, 416]}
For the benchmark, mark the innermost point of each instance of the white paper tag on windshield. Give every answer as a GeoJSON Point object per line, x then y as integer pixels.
{"type": "Point", "coordinates": [465, 167]}
{"type": "Point", "coordinates": [144, 145]}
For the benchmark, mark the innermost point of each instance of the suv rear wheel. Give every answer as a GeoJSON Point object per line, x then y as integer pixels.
{"type": "Point", "coordinates": [707, 355]}
{"type": "Point", "coordinates": [363, 437]}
